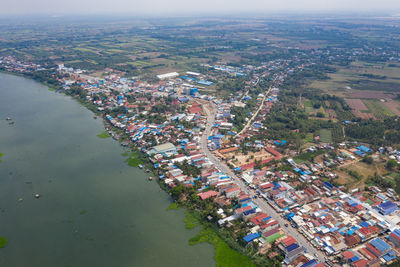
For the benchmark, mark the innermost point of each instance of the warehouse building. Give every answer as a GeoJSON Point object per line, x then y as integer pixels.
{"type": "Point", "coordinates": [169, 75]}
{"type": "Point", "coordinates": [164, 149]}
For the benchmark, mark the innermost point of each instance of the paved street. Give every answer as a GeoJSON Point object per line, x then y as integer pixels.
{"type": "Point", "coordinates": [262, 204]}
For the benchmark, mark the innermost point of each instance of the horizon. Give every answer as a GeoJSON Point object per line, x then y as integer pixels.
{"type": "Point", "coordinates": [157, 8]}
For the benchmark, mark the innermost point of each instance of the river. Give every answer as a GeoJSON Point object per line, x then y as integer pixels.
{"type": "Point", "coordinates": [94, 209]}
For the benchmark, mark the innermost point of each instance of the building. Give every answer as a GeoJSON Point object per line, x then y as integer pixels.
{"type": "Point", "coordinates": [394, 237]}
{"type": "Point", "coordinates": [387, 207]}
{"type": "Point", "coordinates": [169, 75]}
{"type": "Point", "coordinates": [167, 148]}
{"type": "Point", "coordinates": [207, 194]}
{"type": "Point", "coordinates": [292, 252]}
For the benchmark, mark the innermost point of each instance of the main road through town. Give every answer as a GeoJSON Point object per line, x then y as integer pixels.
{"type": "Point", "coordinates": [210, 109]}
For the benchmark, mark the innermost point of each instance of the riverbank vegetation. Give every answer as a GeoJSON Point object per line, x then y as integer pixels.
{"type": "Point", "coordinates": [103, 135]}
{"type": "Point", "coordinates": [224, 255]}
{"type": "Point", "coordinates": [3, 242]}
{"type": "Point", "coordinates": [134, 160]}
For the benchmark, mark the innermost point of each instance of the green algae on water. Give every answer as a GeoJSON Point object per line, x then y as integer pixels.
{"type": "Point", "coordinates": [103, 135]}
{"type": "Point", "coordinates": [173, 206]}
{"type": "Point", "coordinates": [133, 160]}
{"type": "Point", "coordinates": [225, 256]}
{"type": "Point", "coordinates": [190, 221]}
{"type": "Point", "coordinates": [3, 242]}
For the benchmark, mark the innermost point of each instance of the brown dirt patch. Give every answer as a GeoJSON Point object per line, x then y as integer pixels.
{"type": "Point", "coordinates": [358, 107]}
{"type": "Point", "coordinates": [393, 106]}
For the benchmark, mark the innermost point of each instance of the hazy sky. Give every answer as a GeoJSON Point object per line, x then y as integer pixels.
{"type": "Point", "coordinates": [156, 7]}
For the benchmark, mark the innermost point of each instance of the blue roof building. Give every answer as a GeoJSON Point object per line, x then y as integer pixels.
{"type": "Point", "coordinates": [311, 263]}
{"type": "Point", "coordinates": [251, 237]}
{"type": "Point", "coordinates": [364, 149]}
{"type": "Point", "coordinates": [380, 245]}
{"type": "Point", "coordinates": [387, 207]}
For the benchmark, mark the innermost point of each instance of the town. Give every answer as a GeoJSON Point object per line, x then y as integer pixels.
{"type": "Point", "coordinates": [315, 201]}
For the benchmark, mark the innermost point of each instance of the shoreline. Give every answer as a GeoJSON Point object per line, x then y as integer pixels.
{"type": "Point", "coordinates": [145, 161]}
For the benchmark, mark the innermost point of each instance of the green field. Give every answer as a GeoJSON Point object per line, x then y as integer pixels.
{"type": "Point", "coordinates": [325, 136]}
{"type": "Point", "coordinates": [308, 106]}
{"type": "Point", "coordinates": [361, 76]}
{"type": "Point", "coordinates": [379, 109]}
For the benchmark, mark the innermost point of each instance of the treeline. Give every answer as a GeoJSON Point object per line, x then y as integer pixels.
{"type": "Point", "coordinates": [47, 77]}
{"type": "Point", "coordinates": [376, 132]}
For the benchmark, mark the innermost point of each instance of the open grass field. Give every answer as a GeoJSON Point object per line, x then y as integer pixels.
{"type": "Point", "coordinates": [308, 106]}
{"type": "Point", "coordinates": [361, 76]}
{"type": "Point", "coordinates": [325, 136]}
{"type": "Point", "coordinates": [363, 169]}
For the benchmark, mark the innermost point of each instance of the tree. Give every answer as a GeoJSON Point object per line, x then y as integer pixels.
{"type": "Point", "coordinates": [368, 160]}
{"type": "Point", "coordinates": [391, 164]}
{"type": "Point", "coordinates": [177, 191]}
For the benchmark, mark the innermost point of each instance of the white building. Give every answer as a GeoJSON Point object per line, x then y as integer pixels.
{"type": "Point", "coordinates": [167, 75]}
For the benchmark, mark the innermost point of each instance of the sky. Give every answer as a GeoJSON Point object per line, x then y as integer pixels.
{"type": "Point", "coordinates": [187, 7]}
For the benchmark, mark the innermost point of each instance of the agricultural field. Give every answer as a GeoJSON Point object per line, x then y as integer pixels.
{"type": "Point", "coordinates": [394, 106]}
{"type": "Point", "coordinates": [374, 108]}
{"type": "Point", "coordinates": [378, 108]}
{"type": "Point", "coordinates": [319, 113]}
{"type": "Point", "coordinates": [362, 76]}
{"type": "Point", "coordinates": [359, 108]}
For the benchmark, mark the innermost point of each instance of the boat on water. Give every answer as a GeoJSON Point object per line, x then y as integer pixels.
{"type": "Point", "coordinates": [8, 119]}
{"type": "Point", "coordinates": [151, 178]}
{"type": "Point", "coordinates": [140, 166]}
{"type": "Point", "coordinates": [11, 122]}
{"type": "Point", "coordinates": [147, 170]}
{"type": "Point", "coordinates": [95, 117]}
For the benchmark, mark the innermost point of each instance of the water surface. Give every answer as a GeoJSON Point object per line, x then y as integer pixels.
{"type": "Point", "coordinates": [94, 209]}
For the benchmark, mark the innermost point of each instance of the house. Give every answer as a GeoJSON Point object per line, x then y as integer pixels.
{"type": "Point", "coordinates": [249, 238]}
{"type": "Point", "coordinates": [292, 252]}
{"type": "Point", "coordinates": [287, 241]}
{"type": "Point", "coordinates": [208, 194]}
{"type": "Point", "coordinates": [232, 192]}
{"type": "Point", "coordinates": [394, 237]}
{"type": "Point", "coordinates": [244, 211]}
{"type": "Point", "coordinates": [387, 207]}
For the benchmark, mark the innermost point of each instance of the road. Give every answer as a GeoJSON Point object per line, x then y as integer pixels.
{"type": "Point", "coordinates": [261, 203]}
{"type": "Point", "coordinates": [257, 111]}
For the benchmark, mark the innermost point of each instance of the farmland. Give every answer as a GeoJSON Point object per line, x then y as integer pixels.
{"type": "Point", "coordinates": [359, 108]}
{"type": "Point", "coordinates": [358, 77]}
{"type": "Point", "coordinates": [373, 108]}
